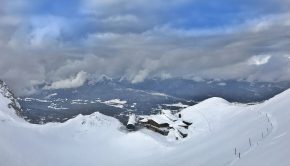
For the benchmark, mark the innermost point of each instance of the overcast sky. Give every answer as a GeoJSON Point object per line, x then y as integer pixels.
{"type": "Point", "coordinates": [65, 42]}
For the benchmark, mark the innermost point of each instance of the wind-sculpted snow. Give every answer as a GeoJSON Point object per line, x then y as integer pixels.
{"type": "Point", "coordinates": [222, 133]}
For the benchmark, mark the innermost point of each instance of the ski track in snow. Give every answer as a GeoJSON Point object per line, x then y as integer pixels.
{"type": "Point", "coordinates": [256, 144]}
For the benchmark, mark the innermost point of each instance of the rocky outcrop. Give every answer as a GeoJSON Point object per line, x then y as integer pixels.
{"type": "Point", "coordinates": [7, 93]}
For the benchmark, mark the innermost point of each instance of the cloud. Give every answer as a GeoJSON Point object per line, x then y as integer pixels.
{"type": "Point", "coordinates": [44, 41]}
{"type": "Point", "coordinates": [45, 32]}
{"type": "Point", "coordinates": [259, 60]}
{"type": "Point", "coordinates": [141, 75]}
{"type": "Point", "coordinates": [121, 19]}
{"type": "Point", "coordinates": [72, 82]}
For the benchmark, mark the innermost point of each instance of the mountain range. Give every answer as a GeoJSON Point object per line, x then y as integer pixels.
{"type": "Point", "coordinates": [118, 97]}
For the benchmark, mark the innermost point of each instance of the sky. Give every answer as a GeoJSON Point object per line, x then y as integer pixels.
{"type": "Point", "coordinates": [63, 43]}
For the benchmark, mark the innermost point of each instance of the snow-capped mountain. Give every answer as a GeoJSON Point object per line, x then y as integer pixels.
{"type": "Point", "coordinates": [222, 133]}
{"type": "Point", "coordinates": [116, 97]}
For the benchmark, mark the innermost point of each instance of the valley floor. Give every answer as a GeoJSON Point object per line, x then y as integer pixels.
{"type": "Point", "coordinates": [222, 133]}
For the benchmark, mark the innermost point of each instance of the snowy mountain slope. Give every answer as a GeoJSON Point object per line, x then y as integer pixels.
{"type": "Point", "coordinates": [9, 106]}
{"type": "Point", "coordinates": [275, 149]}
{"type": "Point", "coordinates": [219, 127]}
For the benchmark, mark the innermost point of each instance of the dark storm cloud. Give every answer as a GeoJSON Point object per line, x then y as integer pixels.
{"type": "Point", "coordinates": [65, 42]}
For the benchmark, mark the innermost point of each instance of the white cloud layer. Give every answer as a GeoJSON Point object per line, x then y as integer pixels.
{"type": "Point", "coordinates": [259, 60]}
{"type": "Point", "coordinates": [72, 82]}
{"type": "Point", "coordinates": [139, 40]}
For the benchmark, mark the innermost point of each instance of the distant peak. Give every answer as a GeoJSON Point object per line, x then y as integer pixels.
{"type": "Point", "coordinates": [101, 78]}
{"type": "Point", "coordinates": [104, 77]}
